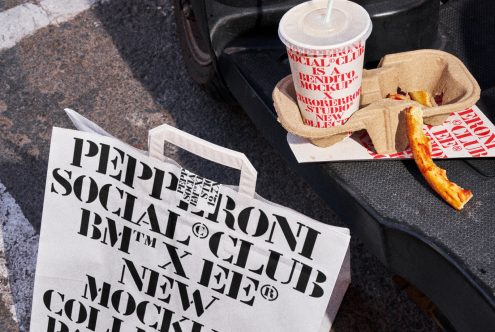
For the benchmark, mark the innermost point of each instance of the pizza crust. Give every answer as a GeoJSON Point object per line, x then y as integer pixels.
{"type": "Point", "coordinates": [436, 177]}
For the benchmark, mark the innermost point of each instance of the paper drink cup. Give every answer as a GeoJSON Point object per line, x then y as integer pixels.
{"type": "Point", "coordinates": [326, 60]}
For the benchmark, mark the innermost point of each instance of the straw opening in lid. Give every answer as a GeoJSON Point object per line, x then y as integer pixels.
{"type": "Point", "coordinates": [350, 23]}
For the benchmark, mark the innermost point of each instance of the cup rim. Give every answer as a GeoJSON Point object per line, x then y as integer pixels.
{"type": "Point", "coordinates": [289, 42]}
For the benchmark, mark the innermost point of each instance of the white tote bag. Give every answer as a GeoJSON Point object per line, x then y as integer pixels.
{"type": "Point", "coordinates": [130, 241]}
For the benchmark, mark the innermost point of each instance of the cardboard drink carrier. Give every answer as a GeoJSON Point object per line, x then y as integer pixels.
{"type": "Point", "coordinates": [433, 71]}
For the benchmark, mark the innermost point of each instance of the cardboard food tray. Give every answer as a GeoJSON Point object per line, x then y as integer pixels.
{"type": "Point", "coordinates": [436, 72]}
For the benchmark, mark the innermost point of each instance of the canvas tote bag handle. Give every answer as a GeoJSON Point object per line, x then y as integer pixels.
{"type": "Point", "coordinates": [165, 133]}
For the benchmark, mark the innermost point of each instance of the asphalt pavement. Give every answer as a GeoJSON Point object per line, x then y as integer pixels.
{"type": "Point", "coordinates": [119, 64]}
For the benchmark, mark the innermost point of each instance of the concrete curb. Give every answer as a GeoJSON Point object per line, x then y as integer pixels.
{"type": "Point", "coordinates": [24, 20]}
{"type": "Point", "coordinates": [18, 250]}
{"type": "Point", "coordinates": [8, 318]}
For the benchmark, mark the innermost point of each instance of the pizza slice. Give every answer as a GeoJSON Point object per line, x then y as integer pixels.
{"type": "Point", "coordinates": [399, 95]}
{"type": "Point", "coordinates": [422, 97]}
{"type": "Point", "coordinates": [436, 177]}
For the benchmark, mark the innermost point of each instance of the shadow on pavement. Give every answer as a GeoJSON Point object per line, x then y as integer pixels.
{"type": "Point", "coordinates": [145, 38]}
{"type": "Point", "coordinates": [23, 162]}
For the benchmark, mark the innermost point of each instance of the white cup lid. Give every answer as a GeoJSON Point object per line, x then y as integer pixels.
{"type": "Point", "coordinates": [303, 26]}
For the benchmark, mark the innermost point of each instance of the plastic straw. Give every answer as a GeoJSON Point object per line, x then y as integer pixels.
{"type": "Point", "coordinates": [329, 11]}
